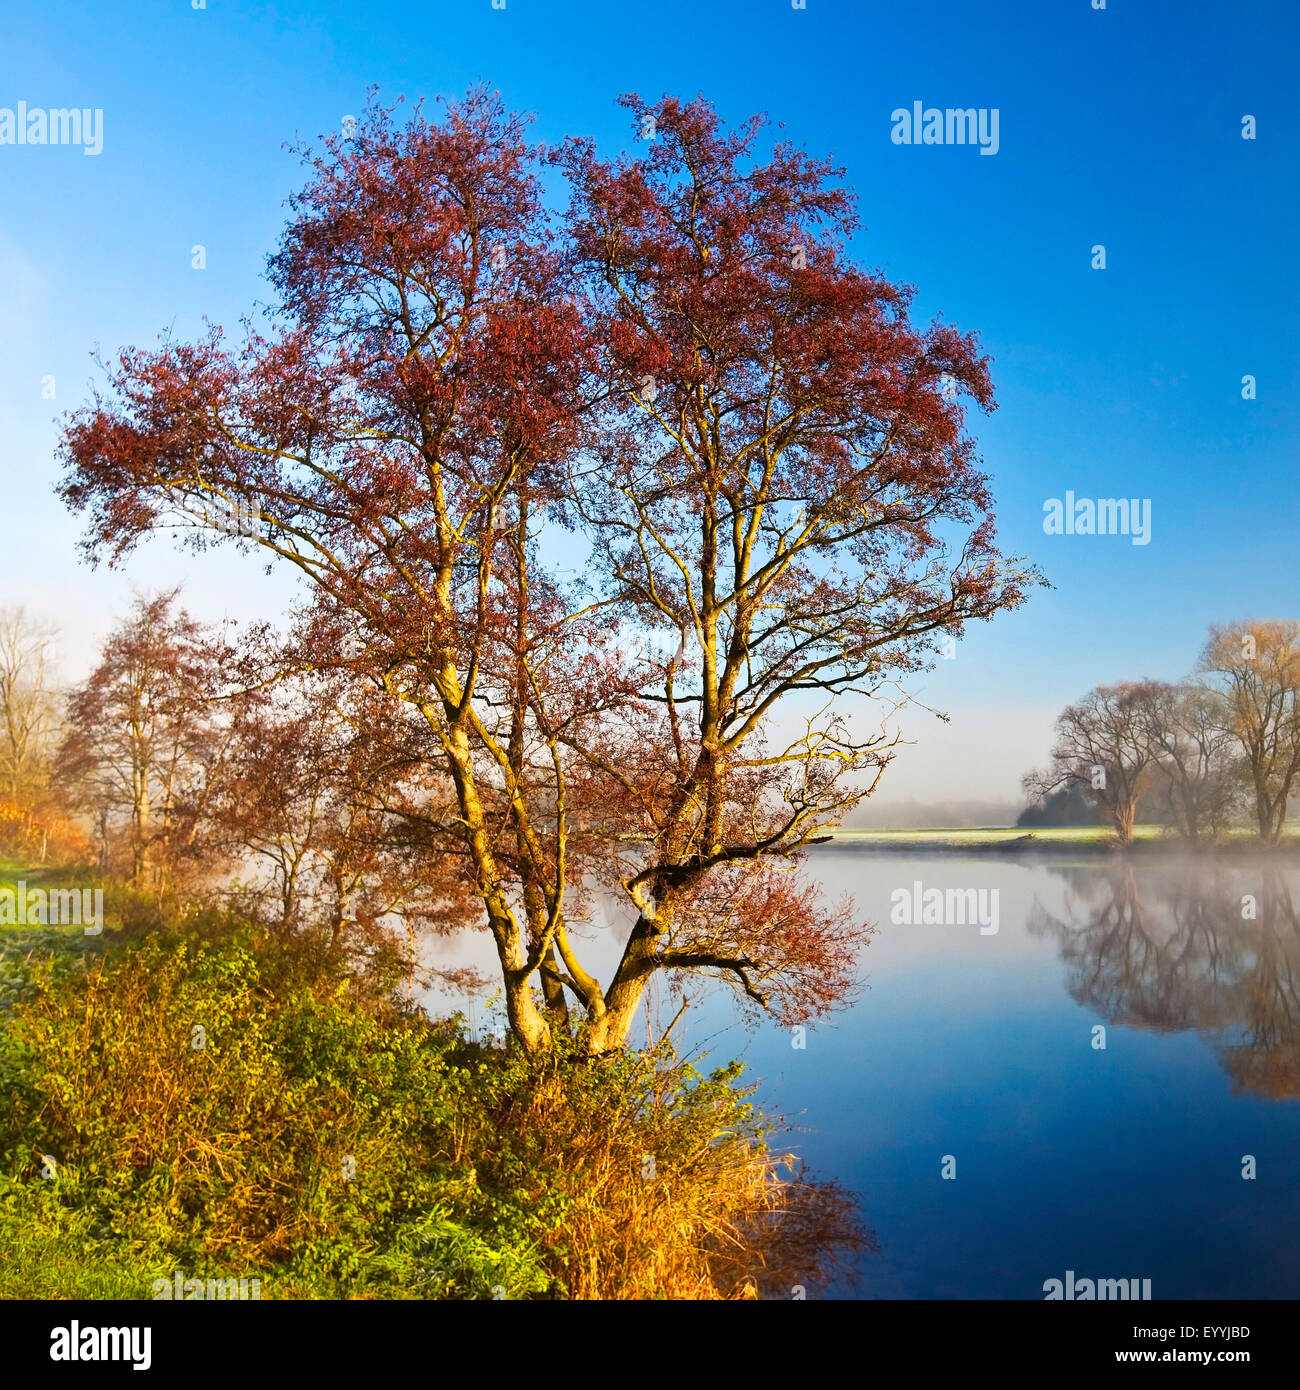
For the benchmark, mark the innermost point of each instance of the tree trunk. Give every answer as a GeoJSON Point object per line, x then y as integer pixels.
{"type": "Point", "coordinates": [140, 831]}
{"type": "Point", "coordinates": [1123, 817]}
{"type": "Point", "coordinates": [610, 1031]}
{"type": "Point", "coordinates": [526, 1021]}
{"type": "Point", "coordinates": [552, 989]}
{"type": "Point", "coordinates": [527, 1024]}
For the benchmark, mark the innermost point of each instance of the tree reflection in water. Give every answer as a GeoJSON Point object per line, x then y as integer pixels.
{"type": "Point", "coordinates": [1182, 946]}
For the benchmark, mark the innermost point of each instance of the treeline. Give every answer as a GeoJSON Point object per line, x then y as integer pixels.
{"type": "Point", "coordinates": [1201, 755]}
{"type": "Point", "coordinates": [176, 771]}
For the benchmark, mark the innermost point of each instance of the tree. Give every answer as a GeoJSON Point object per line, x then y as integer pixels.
{"type": "Point", "coordinates": [29, 717]}
{"type": "Point", "coordinates": [1103, 746]}
{"type": "Point", "coordinates": [1065, 806]}
{"type": "Point", "coordinates": [340, 832]}
{"type": "Point", "coordinates": [390, 440]}
{"type": "Point", "coordinates": [142, 743]}
{"type": "Point", "coordinates": [1191, 736]}
{"type": "Point", "coordinates": [444, 380]}
{"type": "Point", "coordinates": [28, 702]}
{"type": "Point", "coordinates": [1257, 668]}
{"type": "Point", "coordinates": [782, 460]}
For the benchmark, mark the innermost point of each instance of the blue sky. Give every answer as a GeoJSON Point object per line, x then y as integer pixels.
{"type": "Point", "coordinates": [1119, 127]}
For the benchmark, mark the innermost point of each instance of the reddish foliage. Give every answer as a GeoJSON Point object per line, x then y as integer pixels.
{"type": "Point", "coordinates": [445, 376]}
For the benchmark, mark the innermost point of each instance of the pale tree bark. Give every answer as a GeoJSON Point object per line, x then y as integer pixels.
{"type": "Point", "coordinates": [28, 703]}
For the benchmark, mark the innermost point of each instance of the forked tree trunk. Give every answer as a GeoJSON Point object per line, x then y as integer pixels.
{"type": "Point", "coordinates": [610, 1031]}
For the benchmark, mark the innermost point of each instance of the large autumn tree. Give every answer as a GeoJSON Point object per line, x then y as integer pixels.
{"type": "Point", "coordinates": [784, 489]}
{"type": "Point", "coordinates": [768, 462]}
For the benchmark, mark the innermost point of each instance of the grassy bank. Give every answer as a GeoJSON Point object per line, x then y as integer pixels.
{"type": "Point", "coordinates": [218, 1103]}
{"type": "Point", "coordinates": [1075, 839]}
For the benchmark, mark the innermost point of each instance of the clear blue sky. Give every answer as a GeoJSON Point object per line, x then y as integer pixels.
{"type": "Point", "coordinates": [1120, 127]}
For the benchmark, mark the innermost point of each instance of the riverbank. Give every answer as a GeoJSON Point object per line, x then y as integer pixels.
{"type": "Point", "coordinates": [189, 1097]}
{"type": "Point", "coordinates": [1086, 839]}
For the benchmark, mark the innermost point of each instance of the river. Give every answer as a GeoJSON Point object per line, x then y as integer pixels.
{"type": "Point", "coordinates": [1100, 1076]}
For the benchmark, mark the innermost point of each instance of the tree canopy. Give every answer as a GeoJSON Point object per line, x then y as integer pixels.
{"type": "Point", "coordinates": [764, 463]}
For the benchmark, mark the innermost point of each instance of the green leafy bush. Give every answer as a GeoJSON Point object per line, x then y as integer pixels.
{"type": "Point", "coordinates": [200, 1116]}
{"type": "Point", "coordinates": [210, 1104]}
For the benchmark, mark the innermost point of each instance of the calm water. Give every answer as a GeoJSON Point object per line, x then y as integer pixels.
{"type": "Point", "coordinates": [1115, 1163]}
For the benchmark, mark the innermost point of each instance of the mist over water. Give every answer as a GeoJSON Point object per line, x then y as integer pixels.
{"type": "Point", "coordinates": [1122, 1162]}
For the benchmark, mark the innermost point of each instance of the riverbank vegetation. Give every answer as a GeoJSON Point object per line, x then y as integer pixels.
{"type": "Point", "coordinates": [201, 1100]}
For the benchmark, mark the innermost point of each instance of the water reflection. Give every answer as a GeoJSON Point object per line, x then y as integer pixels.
{"type": "Point", "coordinates": [1187, 947]}
{"type": "Point", "coordinates": [1127, 1162]}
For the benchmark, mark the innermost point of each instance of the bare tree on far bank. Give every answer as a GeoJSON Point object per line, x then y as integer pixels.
{"type": "Point", "coordinates": [1103, 746]}
{"type": "Point", "coordinates": [1200, 750]}
{"type": "Point", "coordinates": [1197, 757]}
{"type": "Point", "coordinates": [1257, 667]}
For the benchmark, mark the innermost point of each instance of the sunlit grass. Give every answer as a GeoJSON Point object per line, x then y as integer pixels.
{"type": "Point", "coordinates": [1065, 835]}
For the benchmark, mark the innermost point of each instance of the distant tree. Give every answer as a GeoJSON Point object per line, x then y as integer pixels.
{"type": "Point", "coordinates": [353, 838]}
{"type": "Point", "coordinates": [1256, 666]}
{"type": "Point", "coordinates": [35, 820]}
{"type": "Point", "coordinates": [1103, 747]}
{"type": "Point", "coordinates": [1065, 806]}
{"type": "Point", "coordinates": [142, 744]}
{"type": "Point", "coordinates": [29, 703]}
{"type": "Point", "coordinates": [1191, 735]}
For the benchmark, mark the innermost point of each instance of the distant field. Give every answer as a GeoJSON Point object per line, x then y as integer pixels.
{"type": "Point", "coordinates": [991, 835]}
{"type": "Point", "coordinates": [996, 834]}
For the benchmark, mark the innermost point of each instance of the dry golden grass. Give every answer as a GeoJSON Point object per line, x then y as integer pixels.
{"type": "Point", "coordinates": [674, 1194]}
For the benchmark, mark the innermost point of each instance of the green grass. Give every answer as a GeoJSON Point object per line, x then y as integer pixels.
{"type": "Point", "coordinates": [21, 939]}
{"type": "Point", "coordinates": [44, 875]}
{"type": "Point", "coordinates": [995, 834]}
{"type": "Point", "coordinates": [988, 835]}
{"type": "Point", "coordinates": [67, 1259]}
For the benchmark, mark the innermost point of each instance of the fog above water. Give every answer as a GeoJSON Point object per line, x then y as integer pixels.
{"type": "Point", "coordinates": [1164, 942]}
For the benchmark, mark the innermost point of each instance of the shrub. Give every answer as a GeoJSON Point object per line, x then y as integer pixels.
{"type": "Point", "coordinates": [216, 1110]}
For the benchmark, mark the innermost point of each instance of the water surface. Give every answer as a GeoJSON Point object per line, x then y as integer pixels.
{"type": "Point", "coordinates": [1122, 1162]}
